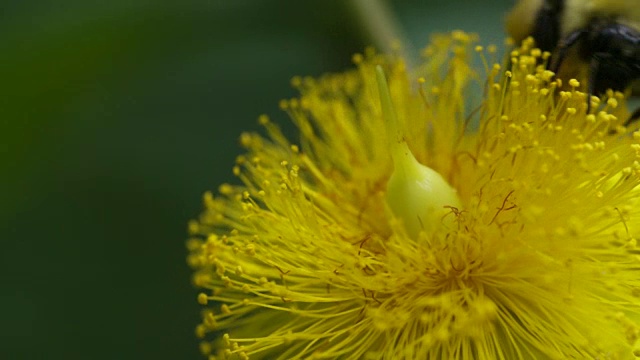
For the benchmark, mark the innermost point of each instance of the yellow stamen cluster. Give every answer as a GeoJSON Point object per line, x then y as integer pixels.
{"type": "Point", "coordinates": [531, 253]}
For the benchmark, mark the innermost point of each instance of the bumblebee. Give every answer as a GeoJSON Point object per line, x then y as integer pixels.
{"type": "Point", "coordinates": [602, 36]}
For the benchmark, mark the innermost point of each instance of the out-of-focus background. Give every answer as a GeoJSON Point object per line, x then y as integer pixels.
{"type": "Point", "coordinates": [115, 116]}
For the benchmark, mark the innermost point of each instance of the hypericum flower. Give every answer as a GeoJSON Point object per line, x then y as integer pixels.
{"type": "Point", "coordinates": [400, 227]}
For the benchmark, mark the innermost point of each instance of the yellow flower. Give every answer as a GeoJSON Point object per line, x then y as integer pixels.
{"type": "Point", "coordinates": [410, 223]}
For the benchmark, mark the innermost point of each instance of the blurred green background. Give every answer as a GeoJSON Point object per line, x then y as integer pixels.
{"type": "Point", "coordinates": [115, 116]}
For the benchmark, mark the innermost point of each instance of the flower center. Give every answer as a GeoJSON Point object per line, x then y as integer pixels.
{"type": "Point", "coordinates": [416, 194]}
